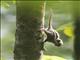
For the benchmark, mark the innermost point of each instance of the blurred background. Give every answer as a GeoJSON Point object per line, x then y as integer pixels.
{"type": "Point", "coordinates": [62, 18]}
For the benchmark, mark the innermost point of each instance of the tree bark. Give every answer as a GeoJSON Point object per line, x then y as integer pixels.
{"type": "Point", "coordinates": [77, 39]}
{"type": "Point", "coordinates": [77, 31]}
{"type": "Point", "coordinates": [30, 15]}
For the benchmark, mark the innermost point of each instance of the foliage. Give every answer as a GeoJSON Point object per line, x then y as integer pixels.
{"type": "Point", "coordinates": [67, 29]}
{"type": "Point", "coordinates": [47, 57]}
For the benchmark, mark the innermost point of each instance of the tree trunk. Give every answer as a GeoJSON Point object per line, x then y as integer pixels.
{"type": "Point", "coordinates": [77, 31]}
{"type": "Point", "coordinates": [77, 39]}
{"type": "Point", "coordinates": [29, 21]}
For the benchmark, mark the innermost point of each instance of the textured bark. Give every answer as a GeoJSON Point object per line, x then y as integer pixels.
{"type": "Point", "coordinates": [77, 30]}
{"type": "Point", "coordinates": [77, 39]}
{"type": "Point", "coordinates": [29, 21]}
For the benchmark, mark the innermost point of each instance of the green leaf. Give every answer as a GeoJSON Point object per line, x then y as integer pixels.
{"type": "Point", "coordinates": [68, 30]}
{"type": "Point", "coordinates": [47, 57]}
{"type": "Point", "coordinates": [64, 25]}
